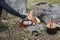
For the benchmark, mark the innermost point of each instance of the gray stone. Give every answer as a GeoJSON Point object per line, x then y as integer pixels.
{"type": "Point", "coordinates": [51, 11]}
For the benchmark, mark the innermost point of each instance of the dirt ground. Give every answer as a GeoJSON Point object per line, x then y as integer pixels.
{"type": "Point", "coordinates": [24, 34]}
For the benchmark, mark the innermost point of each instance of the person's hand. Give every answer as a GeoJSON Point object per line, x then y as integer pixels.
{"type": "Point", "coordinates": [24, 16]}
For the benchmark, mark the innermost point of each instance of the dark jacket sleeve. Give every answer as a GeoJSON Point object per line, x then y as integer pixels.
{"type": "Point", "coordinates": [5, 6]}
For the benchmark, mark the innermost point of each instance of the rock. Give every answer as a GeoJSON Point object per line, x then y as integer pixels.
{"type": "Point", "coordinates": [18, 5]}
{"type": "Point", "coordinates": [50, 11]}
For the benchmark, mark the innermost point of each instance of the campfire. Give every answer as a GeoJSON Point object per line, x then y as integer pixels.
{"type": "Point", "coordinates": [51, 24]}
{"type": "Point", "coordinates": [35, 20]}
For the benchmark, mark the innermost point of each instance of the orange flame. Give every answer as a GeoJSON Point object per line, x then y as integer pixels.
{"type": "Point", "coordinates": [35, 20]}
{"type": "Point", "coordinates": [30, 16]}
